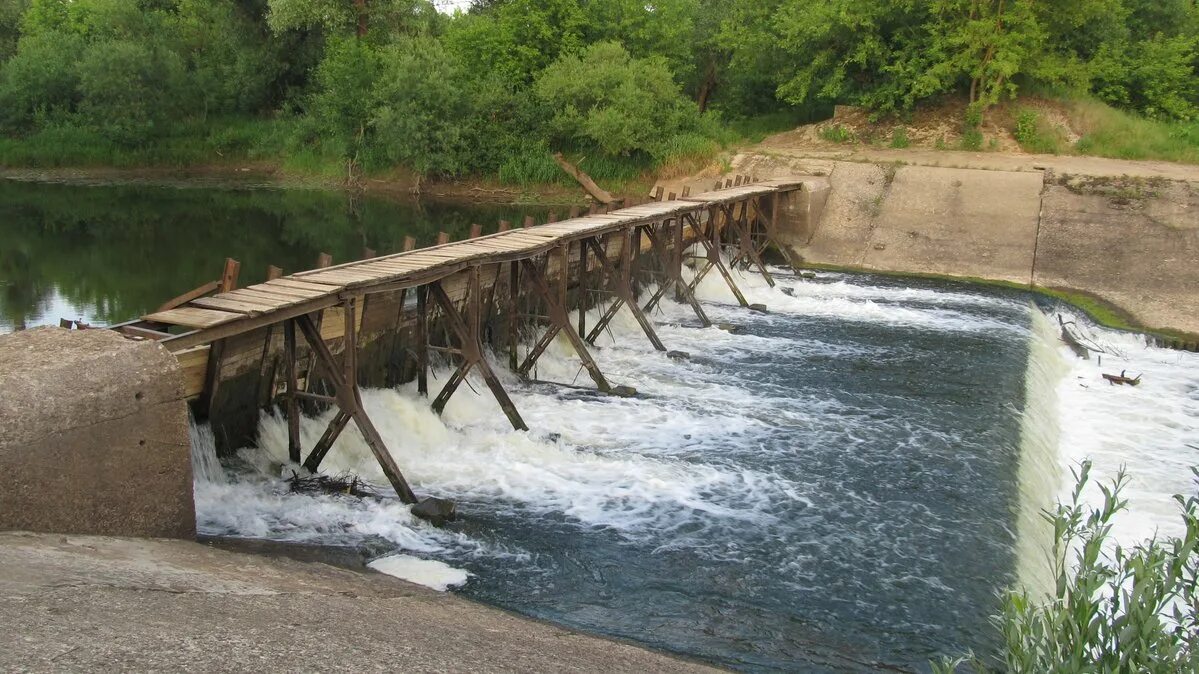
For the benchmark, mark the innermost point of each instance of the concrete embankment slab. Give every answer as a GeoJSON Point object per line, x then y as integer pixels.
{"type": "Point", "coordinates": [958, 222]}
{"type": "Point", "coordinates": [94, 436]}
{"type": "Point", "coordinates": [89, 603]}
{"type": "Point", "coordinates": [1132, 243]}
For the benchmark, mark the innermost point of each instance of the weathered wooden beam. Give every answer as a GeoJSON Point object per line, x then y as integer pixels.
{"type": "Point", "coordinates": [324, 260]}
{"type": "Point", "coordinates": [409, 244]}
{"type": "Point", "coordinates": [472, 350]}
{"type": "Point", "coordinates": [229, 275]}
{"type": "Point", "coordinates": [350, 402]}
{"type": "Point", "coordinates": [560, 323]}
{"type": "Point", "coordinates": [620, 280]}
{"type": "Point", "coordinates": [745, 241]}
{"type": "Point", "coordinates": [673, 273]}
{"type": "Point", "coordinates": [714, 260]}
{"type": "Point", "coordinates": [422, 340]}
{"type": "Point", "coordinates": [293, 390]}
{"type": "Point", "coordinates": [596, 192]}
{"type": "Point", "coordinates": [207, 288]}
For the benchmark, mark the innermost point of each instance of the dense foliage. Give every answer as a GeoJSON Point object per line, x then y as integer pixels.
{"type": "Point", "coordinates": [1112, 608]}
{"type": "Point", "coordinates": [379, 83]}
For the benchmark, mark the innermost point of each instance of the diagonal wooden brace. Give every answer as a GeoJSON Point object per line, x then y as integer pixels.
{"type": "Point", "coordinates": [674, 273]}
{"type": "Point", "coordinates": [350, 403]}
{"type": "Point", "coordinates": [745, 241]}
{"type": "Point", "coordinates": [621, 283]}
{"type": "Point", "coordinates": [560, 322]}
{"type": "Point", "coordinates": [472, 353]}
{"type": "Point", "coordinates": [714, 260]}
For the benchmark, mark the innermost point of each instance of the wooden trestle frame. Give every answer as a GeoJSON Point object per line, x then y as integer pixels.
{"type": "Point", "coordinates": [300, 301]}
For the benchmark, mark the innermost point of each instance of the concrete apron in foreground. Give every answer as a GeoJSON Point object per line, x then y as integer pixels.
{"type": "Point", "coordinates": [83, 603]}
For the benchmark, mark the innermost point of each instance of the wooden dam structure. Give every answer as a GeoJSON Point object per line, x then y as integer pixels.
{"type": "Point", "coordinates": [312, 340]}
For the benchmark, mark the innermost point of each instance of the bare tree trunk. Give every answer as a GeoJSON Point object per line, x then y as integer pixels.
{"type": "Point", "coordinates": [360, 5]}
{"type": "Point", "coordinates": [706, 89]}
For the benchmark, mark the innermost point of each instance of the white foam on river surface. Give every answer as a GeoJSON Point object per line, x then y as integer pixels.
{"type": "Point", "coordinates": [802, 470]}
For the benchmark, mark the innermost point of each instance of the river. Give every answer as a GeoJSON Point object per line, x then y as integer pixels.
{"type": "Point", "coordinates": [846, 486]}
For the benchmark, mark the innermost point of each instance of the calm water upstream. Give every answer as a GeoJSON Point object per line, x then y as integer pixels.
{"type": "Point", "coordinates": [845, 487]}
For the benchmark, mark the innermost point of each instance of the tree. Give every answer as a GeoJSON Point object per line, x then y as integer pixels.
{"type": "Point", "coordinates": [607, 100]}
{"type": "Point", "coordinates": [343, 17]}
{"type": "Point", "coordinates": [517, 39]}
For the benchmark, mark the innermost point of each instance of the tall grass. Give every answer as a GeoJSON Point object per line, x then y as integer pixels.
{"type": "Point", "coordinates": [1109, 132]}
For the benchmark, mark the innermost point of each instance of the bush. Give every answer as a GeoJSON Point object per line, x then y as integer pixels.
{"type": "Point", "coordinates": [972, 139]}
{"type": "Point", "coordinates": [130, 91]}
{"type": "Point", "coordinates": [1113, 609]}
{"type": "Point", "coordinates": [421, 111]}
{"type": "Point", "coordinates": [1031, 134]}
{"type": "Point", "coordinates": [899, 139]}
{"type": "Point", "coordinates": [41, 80]}
{"type": "Point", "coordinates": [607, 100]}
{"type": "Point", "coordinates": [836, 134]}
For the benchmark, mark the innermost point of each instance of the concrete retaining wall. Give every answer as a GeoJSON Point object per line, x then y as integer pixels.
{"type": "Point", "coordinates": [1131, 242]}
{"type": "Point", "coordinates": [93, 436]}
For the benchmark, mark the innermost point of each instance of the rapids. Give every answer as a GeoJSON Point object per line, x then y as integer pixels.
{"type": "Point", "coordinates": [847, 486]}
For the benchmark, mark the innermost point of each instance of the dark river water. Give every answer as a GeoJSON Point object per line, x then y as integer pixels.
{"type": "Point", "coordinates": [109, 254]}
{"type": "Point", "coordinates": [844, 487]}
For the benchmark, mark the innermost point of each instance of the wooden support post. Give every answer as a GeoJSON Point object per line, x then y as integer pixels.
{"type": "Point", "coordinates": [442, 238]}
{"type": "Point", "coordinates": [229, 276]}
{"type": "Point", "coordinates": [368, 253]}
{"type": "Point", "coordinates": [324, 260]}
{"type": "Point", "coordinates": [552, 216]}
{"type": "Point", "coordinates": [293, 390]}
{"type": "Point", "coordinates": [673, 272]}
{"type": "Point", "coordinates": [745, 241]}
{"type": "Point", "coordinates": [574, 212]}
{"type": "Point", "coordinates": [583, 276]}
{"type": "Point", "coordinates": [686, 191]}
{"type": "Point", "coordinates": [505, 225]}
{"type": "Point", "coordinates": [737, 183]}
{"type": "Point", "coordinates": [475, 231]}
{"type": "Point", "coordinates": [529, 222]}
{"type": "Point", "coordinates": [349, 402]}
{"type": "Point", "coordinates": [273, 272]}
{"type": "Point", "coordinates": [559, 323]}
{"type": "Point", "coordinates": [620, 279]}
{"type": "Point", "coordinates": [714, 260]}
{"type": "Point", "coordinates": [513, 313]}
{"type": "Point", "coordinates": [422, 340]}
{"type": "Point", "coordinates": [472, 353]}
{"type": "Point", "coordinates": [409, 244]}
{"type": "Point", "coordinates": [728, 183]}
{"type": "Point", "coordinates": [658, 193]}
{"type": "Point", "coordinates": [671, 197]}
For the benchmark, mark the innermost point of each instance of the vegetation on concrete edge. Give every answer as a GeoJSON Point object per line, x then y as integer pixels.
{"type": "Point", "coordinates": [1113, 608]}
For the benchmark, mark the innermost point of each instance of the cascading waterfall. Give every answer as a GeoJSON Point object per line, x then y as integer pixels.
{"type": "Point", "coordinates": [1040, 472]}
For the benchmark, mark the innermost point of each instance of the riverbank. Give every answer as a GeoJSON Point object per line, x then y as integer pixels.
{"type": "Point", "coordinates": [396, 186]}
{"type": "Point", "coordinates": [81, 603]}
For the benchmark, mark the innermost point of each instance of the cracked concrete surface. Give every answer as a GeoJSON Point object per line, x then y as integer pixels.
{"type": "Point", "coordinates": [83, 603]}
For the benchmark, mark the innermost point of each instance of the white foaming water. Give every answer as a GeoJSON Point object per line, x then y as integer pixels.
{"type": "Point", "coordinates": [1152, 429]}
{"type": "Point", "coordinates": [1040, 472]}
{"type": "Point", "coordinates": [428, 572]}
{"type": "Point", "coordinates": [851, 302]}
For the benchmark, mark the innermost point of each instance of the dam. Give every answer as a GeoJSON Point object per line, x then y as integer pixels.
{"type": "Point", "coordinates": [841, 485]}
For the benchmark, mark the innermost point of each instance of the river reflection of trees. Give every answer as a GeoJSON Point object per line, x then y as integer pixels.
{"type": "Point", "coordinates": [122, 250]}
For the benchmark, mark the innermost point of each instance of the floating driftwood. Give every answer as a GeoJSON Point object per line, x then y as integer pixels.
{"type": "Point", "coordinates": [349, 485]}
{"type": "Point", "coordinates": [1122, 379]}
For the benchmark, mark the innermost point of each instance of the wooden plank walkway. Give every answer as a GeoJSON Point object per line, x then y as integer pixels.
{"type": "Point", "coordinates": [227, 314]}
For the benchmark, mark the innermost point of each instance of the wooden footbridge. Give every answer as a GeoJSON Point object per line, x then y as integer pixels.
{"type": "Point", "coordinates": [276, 343]}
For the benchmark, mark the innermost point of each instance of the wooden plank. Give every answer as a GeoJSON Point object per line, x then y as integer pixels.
{"type": "Point", "coordinates": [266, 298]}
{"type": "Point", "coordinates": [596, 192]}
{"type": "Point", "coordinates": [239, 306]}
{"type": "Point", "coordinates": [191, 317]}
{"type": "Point", "coordinates": [194, 364]}
{"type": "Point", "coordinates": [290, 282]}
{"type": "Point", "coordinates": [229, 275]}
{"type": "Point", "coordinates": [210, 287]}
{"type": "Point", "coordinates": [286, 291]}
